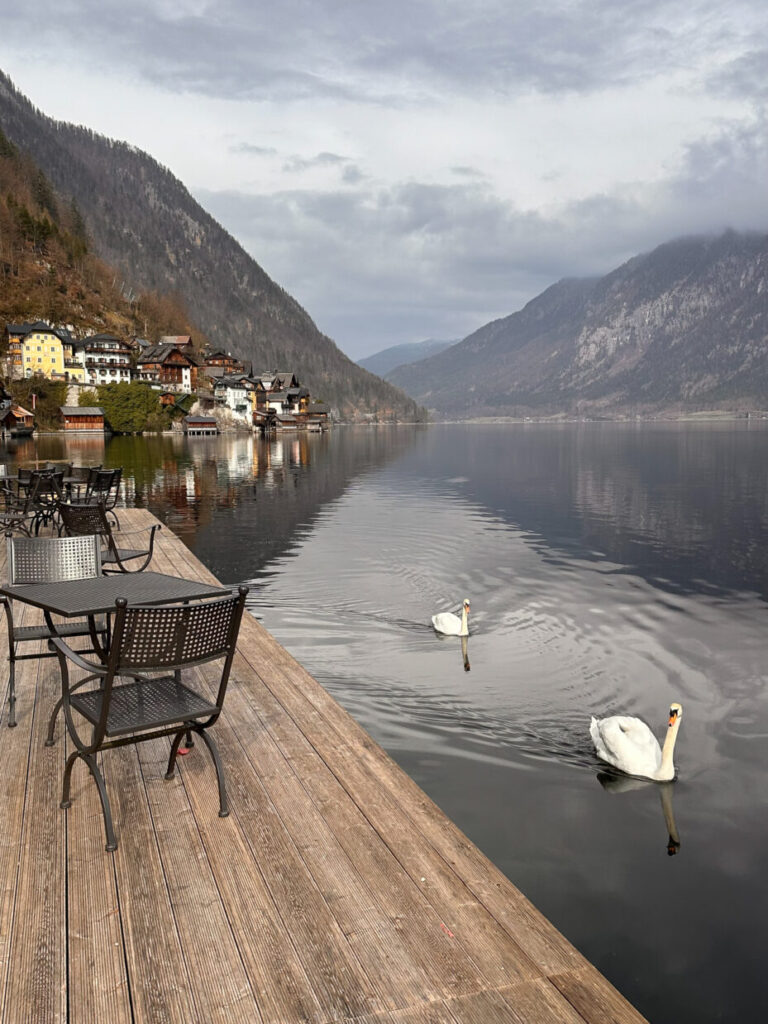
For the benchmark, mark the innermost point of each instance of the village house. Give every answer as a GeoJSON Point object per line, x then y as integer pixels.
{"type": "Point", "coordinates": [225, 361]}
{"type": "Point", "coordinates": [292, 401]}
{"type": "Point", "coordinates": [170, 366]}
{"type": "Point", "coordinates": [235, 393]}
{"type": "Point", "coordinates": [36, 348]}
{"type": "Point", "coordinates": [182, 341]}
{"type": "Point", "coordinates": [105, 359]}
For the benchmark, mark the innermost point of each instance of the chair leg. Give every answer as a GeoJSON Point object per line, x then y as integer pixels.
{"type": "Point", "coordinates": [174, 751]}
{"type": "Point", "coordinates": [12, 693]}
{"type": "Point", "coordinates": [49, 739]}
{"type": "Point", "coordinates": [98, 778]}
{"type": "Point", "coordinates": [223, 803]}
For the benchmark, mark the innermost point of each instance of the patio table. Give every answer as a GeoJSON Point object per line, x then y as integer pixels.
{"type": "Point", "coordinates": [97, 595]}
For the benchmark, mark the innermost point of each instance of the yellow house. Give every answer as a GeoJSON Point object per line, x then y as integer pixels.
{"type": "Point", "coordinates": [42, 351]}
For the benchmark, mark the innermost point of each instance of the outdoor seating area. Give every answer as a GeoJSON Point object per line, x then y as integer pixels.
{"type": "Point", "coordinates": [332, 889]}
{"type": "Point", "coordinates": [30, 498]}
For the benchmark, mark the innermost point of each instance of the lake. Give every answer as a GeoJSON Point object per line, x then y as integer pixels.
{"type": "Point", "coordinates": [612, 568]}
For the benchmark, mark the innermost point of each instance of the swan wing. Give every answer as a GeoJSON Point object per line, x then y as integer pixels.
{"type": "Point", "coordinates": [447, 622]}
{"type": "Point", "coordinates": [626, 743]}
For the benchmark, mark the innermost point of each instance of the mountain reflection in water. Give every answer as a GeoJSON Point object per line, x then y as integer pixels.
{"type": "Point", "coordinates": [611, 568]}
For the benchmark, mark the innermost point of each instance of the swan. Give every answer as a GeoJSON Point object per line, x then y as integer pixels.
{"type": "Point", "coordinates": [450, 624]}
{"type": "Point", "coordinates": [629, 745]}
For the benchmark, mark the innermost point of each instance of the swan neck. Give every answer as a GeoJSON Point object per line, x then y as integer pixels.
{"type": "Point", "coordinates": [668, 750]}
{"type": "Point", "coordinates": [464, 627]}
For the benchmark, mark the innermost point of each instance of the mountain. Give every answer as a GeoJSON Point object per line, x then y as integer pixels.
{"type": "Point", "coordinates": [142, 221]}
{"type": "Point", "coordinates": [683, 328]}
{"type": "Point", "coordinates": [381, 363]}
{"type": "Point", "coordinates": [48, 272]}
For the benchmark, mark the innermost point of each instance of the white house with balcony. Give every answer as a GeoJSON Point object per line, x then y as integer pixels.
{"type": "Point", "coordinates": [105, 358]}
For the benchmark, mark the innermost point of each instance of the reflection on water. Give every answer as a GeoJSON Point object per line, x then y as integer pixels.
{"type": "Point", "coordinates": [611, 568]}
{"type": "Point", "coordinates": [617, 783]}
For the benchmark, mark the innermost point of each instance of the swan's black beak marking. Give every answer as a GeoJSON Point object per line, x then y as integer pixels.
{"type": "Point", "coordinates": [672, 716]}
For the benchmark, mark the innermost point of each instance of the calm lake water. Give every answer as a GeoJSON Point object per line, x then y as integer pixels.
{"type": "Point", "coordinates": [611, 568]}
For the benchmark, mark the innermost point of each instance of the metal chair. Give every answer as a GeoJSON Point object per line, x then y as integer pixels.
{"type": "Point", "coordinates": [48, 560]}
{"type": "Point", "coordinates": [104, 486]}
{"type": "Point", "coordinates": [47, 489]}
{"type": "Point", "coordinates": [166, 638]}
{"type": "Point", "coordinates": [18, 505]}
{"type": "Point", "coordinates": [83, 520]}
{"type": "Point", "coordinates": [77, 480]}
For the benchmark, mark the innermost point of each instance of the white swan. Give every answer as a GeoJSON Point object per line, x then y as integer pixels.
{"type": "Point", "coordinates": [628, 744]}
{"type": "Point", "coordinates": [452, 625]}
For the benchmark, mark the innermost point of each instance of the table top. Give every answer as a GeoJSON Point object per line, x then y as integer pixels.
{"type": "Point", "coordinates": [98, 594]}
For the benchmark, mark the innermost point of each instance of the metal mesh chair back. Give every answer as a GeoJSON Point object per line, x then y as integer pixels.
{"type": "Point", "coordinates": [84, 520]}
{"type": "Point", "coordinates": [47, 484]}
{"type": "Point", "coordinates": [104, 485]}
{"type": "Point", "coordinates": [81, 474]}
{"type": "Point", "coordinates": [171, 636]}
{"type": "Point", "coordinates": [52, 559]}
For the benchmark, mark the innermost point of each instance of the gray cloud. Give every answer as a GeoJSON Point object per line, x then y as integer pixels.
{"type": "Point", "coordinates": [252, 150]}
{"type": "Point", "coordinates": [366, 51]}
{"type": "Point", "coordinates": [377, 267]}
{"type": "Point", "coordinates": [298, 163]}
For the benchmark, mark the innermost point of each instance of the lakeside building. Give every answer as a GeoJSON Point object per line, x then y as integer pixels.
{"type": "Point", "coordinates": [15, 421]}
{"type": "Point", "coordinates": [104, 358]}
{"type": "Point", "coordinates": [84, 418]}
{"type": "Point", "coordinates": [169, 365]}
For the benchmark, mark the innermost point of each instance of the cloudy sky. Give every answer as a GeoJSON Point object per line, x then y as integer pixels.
{"type": "Point", "coordinates": [415, 168]}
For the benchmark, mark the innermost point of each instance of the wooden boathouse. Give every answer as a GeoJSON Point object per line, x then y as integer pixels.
{"type": "Point", "coordinates": [335, 891]}
{"type": "Point", "coordinates": [88, 418]}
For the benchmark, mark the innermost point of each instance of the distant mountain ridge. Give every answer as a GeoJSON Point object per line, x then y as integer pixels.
{"type": "Point", "coordinates": [682, 328]}
{"type": "Point", "coordinates": [143, 221]}
{"type": "Point", "coordinates": [382, 363]}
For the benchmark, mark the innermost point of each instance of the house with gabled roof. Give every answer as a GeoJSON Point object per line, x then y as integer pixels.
{"type": "Point", "coordinates": [168, 365]}
{"type": "Point", "coordinates": [37, 347]}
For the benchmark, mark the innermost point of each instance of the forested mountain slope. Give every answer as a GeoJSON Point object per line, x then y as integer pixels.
{"type": "Point", "coordinates": [143, 221]}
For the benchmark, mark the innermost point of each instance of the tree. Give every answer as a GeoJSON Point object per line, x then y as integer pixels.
{"type": "Point", "coordinates": [49, 396]}
{"type": "Point", "coordinates": [88, 397]}
{"type": "Point", "coordinates": [129, 408]}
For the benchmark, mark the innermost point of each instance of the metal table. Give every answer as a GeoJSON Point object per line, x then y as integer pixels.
{"type": "Point", "coordinates": [97, 595]}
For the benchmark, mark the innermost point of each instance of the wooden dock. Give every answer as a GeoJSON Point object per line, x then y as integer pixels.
{"type": "Point", "coordinates": [335, 890]}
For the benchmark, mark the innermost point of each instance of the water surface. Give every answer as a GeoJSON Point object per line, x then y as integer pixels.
{"type": "Point", "coordinates": [611, 568]}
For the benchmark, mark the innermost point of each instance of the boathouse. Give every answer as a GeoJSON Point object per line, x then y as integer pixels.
{"type": "Point", "coordinates": [88, 418]}
{"type": "Point", "coordinates": [196, 424]}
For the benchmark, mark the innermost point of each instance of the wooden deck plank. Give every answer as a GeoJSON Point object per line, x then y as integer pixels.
{"type": "Point", "coordinates": [597, 1002]}
{"type": "Point", "coordinates": [157, 971]}
{"type": "Point", "coordinates": [14, 762]}
{"type": "Point", "coordinates": [334, 891]}
{"type": "Point", "coordinates": [37, 964]}
{"type": "Point", "coordinates": [219, 984]}
{"type": "Point", "coordinates": [278, 979]}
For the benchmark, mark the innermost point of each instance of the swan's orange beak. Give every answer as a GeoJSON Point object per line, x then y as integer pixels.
{"type": "Point", "coordinates": [672, 717]}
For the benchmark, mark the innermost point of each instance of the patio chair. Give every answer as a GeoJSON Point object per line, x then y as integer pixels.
{"type": "Point", "coordinates": [167, 639]}
{"type": "Point", "coordinates": [103, 486]}
{"type": "Point", "coordinates": [47, 489]}
{"type": "Point", "coordinates": [18, 505]}
{"type": "Point", "coordinates": [48, 560]}
{"type": "Point", "coordinates": [83, 520]}
{"type": "Point", "coordinates": [76, 481]}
